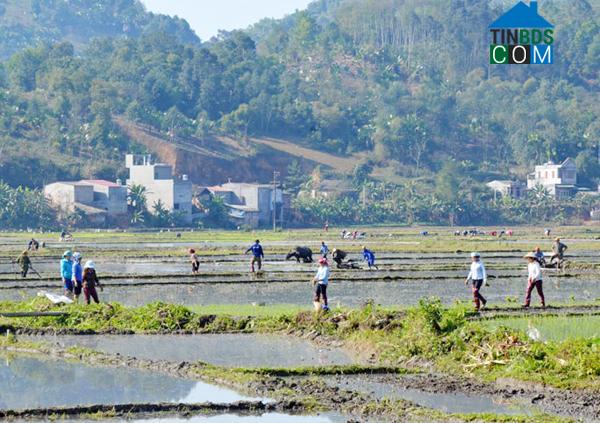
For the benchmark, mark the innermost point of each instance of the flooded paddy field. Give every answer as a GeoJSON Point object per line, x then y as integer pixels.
{"type": "Point", "coordinates": [31, 382]}
{"type": "Point", "coordinates": [228, 350]}
{"type": "Point", "coordinates": [341, 292]}
{"type": "Point", "coordinates": [359, 362]}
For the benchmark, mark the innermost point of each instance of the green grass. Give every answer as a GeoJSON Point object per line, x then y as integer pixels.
{"type": "Point", "coordinates": [277, 310]}
{"type": "Point", "coordinates": [553, 328]}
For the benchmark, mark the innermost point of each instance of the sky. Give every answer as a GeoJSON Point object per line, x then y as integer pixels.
{"type": "Point", "coordinates": [206, 17]}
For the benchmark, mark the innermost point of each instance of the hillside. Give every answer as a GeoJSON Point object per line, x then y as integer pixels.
{"type": "Point", "coordinates": [390, 95]}
{"type": "Point", "coordinates": [216, 159]}
{"type": "Point", "coordinates": [26, 23]}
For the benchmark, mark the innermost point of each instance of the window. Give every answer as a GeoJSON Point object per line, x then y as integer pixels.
{"type": "Point", "coordinates": [176, 206]}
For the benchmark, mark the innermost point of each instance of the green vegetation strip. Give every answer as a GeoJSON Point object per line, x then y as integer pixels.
{"type": "Point", "coordinates": [427, 333]}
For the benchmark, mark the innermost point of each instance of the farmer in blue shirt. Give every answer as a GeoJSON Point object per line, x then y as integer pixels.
{"type": "Point", "coordinates": [66, 272]}
{"type": "Point", "coordinates": [77, 276]}
{"type": "Point", "coordinates": [324, 249]}
{"type": "Point", "coordinates": [257, 255]}
{"type": "Point", "coordinates": [369, 257]}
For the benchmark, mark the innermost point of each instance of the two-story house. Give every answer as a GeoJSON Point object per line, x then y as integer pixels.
{"type": "Point", "coordinates": [174, 193]}
{"type": "Point", "coordinates": [559, 179]}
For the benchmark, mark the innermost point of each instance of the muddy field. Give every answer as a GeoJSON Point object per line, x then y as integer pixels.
{"type": "Point", "coordinates": [234, 377]}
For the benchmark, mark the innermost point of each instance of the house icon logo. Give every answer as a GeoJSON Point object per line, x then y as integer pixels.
{"type": "Point", "coordinates": [522, 37]}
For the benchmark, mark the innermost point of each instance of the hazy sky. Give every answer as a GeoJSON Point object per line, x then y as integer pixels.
{"type": "Point", "coordinates": [206, 17]}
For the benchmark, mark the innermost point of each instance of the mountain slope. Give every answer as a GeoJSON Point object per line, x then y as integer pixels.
{"type": "Point", "coordinates": [25, 23]}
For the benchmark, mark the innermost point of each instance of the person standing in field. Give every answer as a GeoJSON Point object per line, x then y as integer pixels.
{"type": "Point", "coordinates": [66, 272]}
{"type": "Point", "coordinates": [90, 282]}
{"type": "Point", "coordinates": [24, 263]}
{"type": "Point", "coordinates": [478, 276]}
{"type": "Point", "coordinates": [324, 249]}
{"type": "Point", "coordinates": [558, 251]}
{"type": "Point", "coordinates": [77, 276]}
{"type": "Point", "coordinates": [257, 255]}
{"type": "Point", "coordinates": [195, 261]}
{"type": "Point", "coordinates": [320, 282]}
{"type": "Point", "coordinates": [534, 280]}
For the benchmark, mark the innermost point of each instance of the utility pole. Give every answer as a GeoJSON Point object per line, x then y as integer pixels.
{"type": "Point", "coordinates": [275, 182]}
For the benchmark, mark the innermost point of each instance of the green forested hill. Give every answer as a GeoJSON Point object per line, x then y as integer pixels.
{"type": "Point", "coordinates": [25, 23]}
{"type": "Point", "coordinates": [403, 84]}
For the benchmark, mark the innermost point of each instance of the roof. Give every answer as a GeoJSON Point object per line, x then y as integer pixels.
{"type": "Point", "coordinates": [101, 182]}
{"type": "Point", "coordinates": [70, 183]}
{"type": "Point", "coordinates": [247, 209]}
{"type": "Point", "coordinates": [218, 189]}
{"type": "Point", "coordinates": [507, 182]}
{"type": "Point", "coordinates": [235, 185]}
{"type": "Point", "coordinates": [521, 16]}
{"type": "Point", "coordinates": [336, 185]}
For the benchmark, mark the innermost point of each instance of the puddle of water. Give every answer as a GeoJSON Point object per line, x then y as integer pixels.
{"type": "Point", "coordinates": [447, 402]}
{"type": "Point", "coordinates": [28, 382]}
{"type": "Point", "coordinates": [230, 350]}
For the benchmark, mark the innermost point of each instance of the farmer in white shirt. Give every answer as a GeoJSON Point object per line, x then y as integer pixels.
{"type": "Point", "coordinates": [478, 277]}
{"type": "Point", "coordinates": [320, 282]}
{"type": "Point", "coordinates": [534, 279]}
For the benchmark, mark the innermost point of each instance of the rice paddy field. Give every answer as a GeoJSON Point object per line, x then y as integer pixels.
{"type": "Point", "coordinates": [401, 342]}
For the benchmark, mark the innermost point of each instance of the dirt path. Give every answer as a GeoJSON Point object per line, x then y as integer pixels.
{"type": "Point", "coordinates": [337, 163]}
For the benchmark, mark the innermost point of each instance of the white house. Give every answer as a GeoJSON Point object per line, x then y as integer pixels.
{"type": "Point", "coordinates": [100, 200]}
{"type": "Point", "coordinates": [174, 193]}
{"type": "Point", "coordinates": [559, 179]}
{"type": "Point", "coordinates": [251, 204]}
{"type": "Point", "coordinates": [512, 189]}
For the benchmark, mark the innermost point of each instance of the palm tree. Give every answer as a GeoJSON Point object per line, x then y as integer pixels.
{"type": "Point", "coordinates": [137, 197]}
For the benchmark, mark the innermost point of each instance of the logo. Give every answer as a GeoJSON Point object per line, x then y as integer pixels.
{"type": "Point", "coordinates": [522, 37]}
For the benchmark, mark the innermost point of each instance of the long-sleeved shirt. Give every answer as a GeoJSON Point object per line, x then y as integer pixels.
{"type": "Point", "coordinates": [322, 275]}
{"type": "Point", "coordinates": [77, 271]}
{"type": "Point", "coordinates": [369, 256]}
{"type": "Point", "coordinates": [66, 269]}
{"type": "Point", "coordinates": [535, 271]}
{"type": "Point", "coordinates": [24, 261]}
{"type": "Point", "coordinates": [324, 249]}
{"type": "Point", "coordinates": [477, 272]}
{"type": "Point", "coordinates": [257, 250]}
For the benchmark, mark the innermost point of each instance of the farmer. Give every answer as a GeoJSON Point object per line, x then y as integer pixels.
{"type": "Point", "coordinates": [478, 277]}
{"type": "Point", "coordinates": [77, 276]}
{"type": "Point", "coordinates": [539, 256]}
{"type": "Point", "coordinates": [24, 262]}
{"type": "Point", "coordinates": [257, 255]}
{"type": "Point", "coordinates": [326, 227]}
{"type": "Point", "coordinates": [338, 256]}
{"type": "Point", "coordinates": [33, 245]}
{"type": "Point", "coordinates": [324, 249]}
{"type": "Point", "coordinates": [66, 272]}
{"type": "Point", "coordinates": [558, 250]}
{"type": "Point", "coordinates": [369, 257]}
{"type": "Point", "coordinates": [195, 261]}
{"type": "Point", "coordinates": [320, 282]}
{"type": "Point", "coordinates": [90, 281]}
{"type": "Point", "coordinates": [534, 280]}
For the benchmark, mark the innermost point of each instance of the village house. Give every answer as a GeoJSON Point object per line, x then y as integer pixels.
{"type": "Point", "coordinates": [511, 189]}
{"type": "Point", "coordinates": [559, 179]}
{"type": "Point", "coordinates": [333, 189]}
{"type": "Point", "coordinates": [102, 202]}
{"type": "Point", "coordinates": [175, 194]}
{"type": "Point", "coordinates": [250, 204]}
